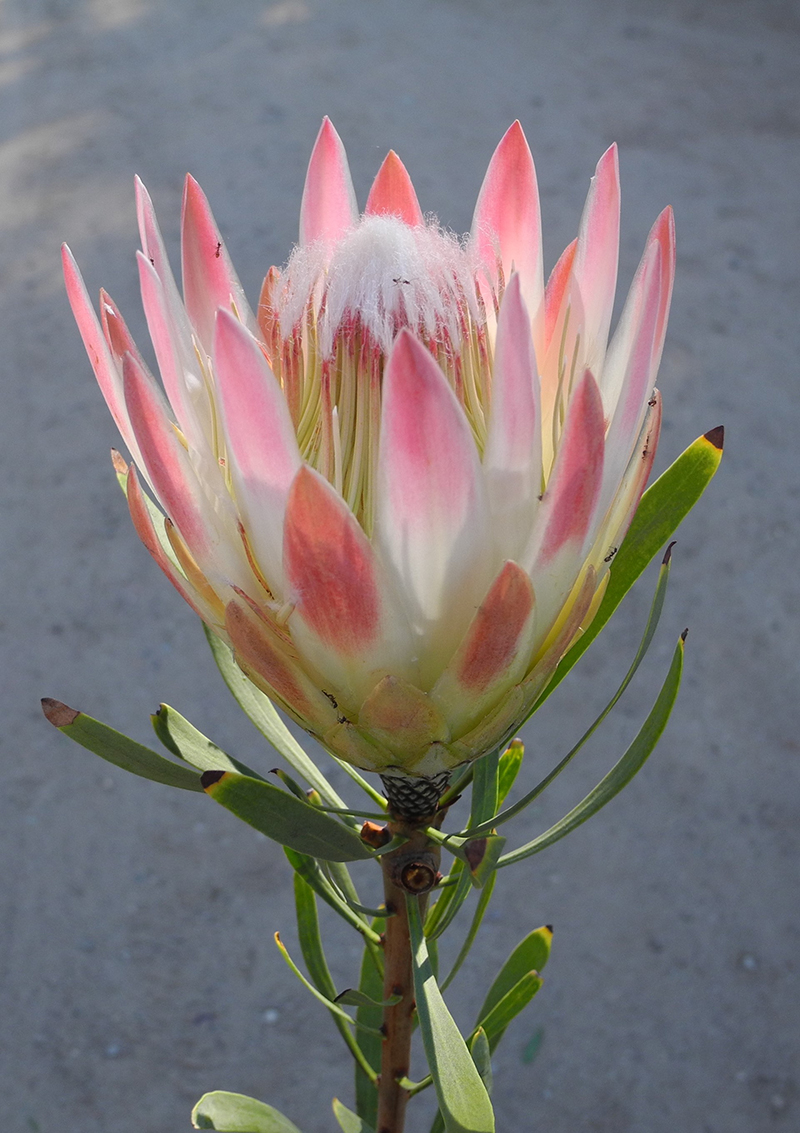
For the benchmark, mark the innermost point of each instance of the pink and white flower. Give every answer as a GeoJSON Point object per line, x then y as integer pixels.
{"type": "Point", "coordinates": [396, 489]}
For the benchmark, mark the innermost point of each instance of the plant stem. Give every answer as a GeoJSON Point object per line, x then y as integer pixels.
{"type": "Point", "coordinates": [413, 868]}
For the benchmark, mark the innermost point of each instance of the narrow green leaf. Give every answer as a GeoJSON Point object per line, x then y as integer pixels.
{"type": "Point", "coordinates": [284, 818]}
{"type": "Point", "coordinates": [508, 769]}
{"type": "Point", "coordinates": [294, 787]}
{"type": "Point", "coordinates": [458, 785]}
{"type": "Point", "coordinates": [482, 1057]}
{"type": "Point", "coordinates": [310, 940]}
{"type": "Point", "coordinates": [480, 910]}
{"type": "Point", "coordinates": [517, 999]}
{"type": "Point", "coordinates": [323, 999]}
{"type": "Point", "coordinates": [339, 877]}
{"type": "Point", "coordinates": [310, 871]}
{"type": "Point", "coordinates": [314, 956]}
{"type": "Point", "coordinates": [485, 785]}
{"type": "Point", "coordinates": [264, 715]}
{"type": "Point", "coordinates": [370, 984]}
{"type": "Point", "coordinates": [444, 911]}
{"type": "Point", "coordinates": [463, 1100]}
{"type": "Point", "coordinates": [415, 1088]}
{"type": "Point", "coordinates": [349, 1122]}
{"type": "Point", "coordinates": [235, 1113]}
{"type": "Point", "coordinates": [118, 749]}
{"type": "Point", "coordinates": [351, 997]}
{"type": "Point", "coordinates": [662, 507]}
{"type": "Point", "coordinates": [433, 956]}
{"type": "Point", "coordinates": [620, 774]}
{"type": "Point", "coordinates": [181, 737]}
{"type": "Point", "coordinates": [654, 616]}
{"type": "Point", "coordinates": [484, 806]}
{"type": "Point", "coordinates": [531, 954]}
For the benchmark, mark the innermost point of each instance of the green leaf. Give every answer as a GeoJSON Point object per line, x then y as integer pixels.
{"type": "Point", "coordinates": [351, 997]}
{"type": "Point", "coordinates": [349, 1122]}
{"type": "Point", "coordinates": [620, 774]}
{"type": "Point", "coordinates": [531, 954]}
{"type": "Point", "coordinates": [235, 1113]}
{"type": "Point", "coordinates": [463, 1100]}
{"type": "Point", "coordinates": [117, 748]}
{"type": "Point", "coordinates": [458, 785]}
{"type": "Point", "coordinates": [264, 715]}
{"type": "Point", "coordinates": [444, 911]}
{"type": "Point", "coordinates": [480, 910]}
{"type": "Point", "coordinates": [293, 786]}
{"type": "Point", "coordinates": [485, 785]}
{"type": "Point", "coordinates": [314, 956]}
{"type": "Point", "coordinates": [517, 999]}
{"type": "Point", "coordinates": [309, 937]}
{"type": "Point", "coordinates": [325, 1000]}
{"type": "Point", "coordinates": [339, 876]}
{"type": "Point", "coordinates": [656, 607]}
{"type": "Point", "coordinates": [484, 806]}
{"type": "Point", "coordinates": [662, 507]}
{"type": "Point", "coordinates": [284, 818]}
{"type": "Point", "coordinates": [508, 769]}
{"type": "Point", "coordinates": [310, 871]}
{"type": "Point", "coordinates": [184, 740]}
{"type": "Point", "coordinates": [482, 1057]}
{"type": "Point", "coordinates": [370, 984]}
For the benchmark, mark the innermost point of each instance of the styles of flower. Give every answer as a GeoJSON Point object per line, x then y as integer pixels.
{"type": "Point", "coordinates": [397, 488]}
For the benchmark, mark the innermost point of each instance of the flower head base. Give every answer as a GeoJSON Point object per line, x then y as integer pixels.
{"type": "Point", "coordinates": [397, 490]}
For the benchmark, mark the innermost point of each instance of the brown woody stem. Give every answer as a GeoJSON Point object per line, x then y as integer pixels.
{"type": "Point", "coordinates": [413, 868]}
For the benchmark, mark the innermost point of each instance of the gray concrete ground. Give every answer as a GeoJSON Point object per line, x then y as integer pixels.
{"type": "Point", "coordinates": [135, 922]}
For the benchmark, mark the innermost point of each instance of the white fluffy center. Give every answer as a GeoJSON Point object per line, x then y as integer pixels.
{"type": "Point", "coordinates": [382, 275]}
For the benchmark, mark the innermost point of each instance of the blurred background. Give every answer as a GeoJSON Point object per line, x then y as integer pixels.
{"type": "Point", "coordinates": [137, 968]}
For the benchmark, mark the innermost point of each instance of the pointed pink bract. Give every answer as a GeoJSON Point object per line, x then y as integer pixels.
{"type": "Point", "coordinates": [209, 280]}
{"type": "Point", "coordinates": [514, 428]}
{"type": "Point", "coordinates": [496, 629]}
{"type": "Point", "coordinates": [392, 193]}
{"type": "Point", "coordinates": [103, 365]}
{"type": "Point", "coordinates": [164, 457]}
{"type": "Point", "coordinates": [330, 566]}
{"type": "Point", "coordinates": [431, 517]}
{"type": "Point", "coordinates": [143, 525]}
{"type": "Point", "coordinates": [595, 268]}
{"type": "Point", "coordinates": [507, 221]}
{"type": "Point", "coordinates": [328, 207]}
{"type": "Point", "coordinates": [575, 482]}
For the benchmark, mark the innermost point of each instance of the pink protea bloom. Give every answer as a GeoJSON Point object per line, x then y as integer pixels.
{"type": "Point", "coordinates": [396, 490]}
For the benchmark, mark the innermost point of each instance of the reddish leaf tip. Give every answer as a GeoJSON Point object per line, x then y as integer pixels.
{"type": "Point", "coordinates": [668, 553]}
{"type": "Point", "coordinates": [716, 437]}
{"type": "Point", "coordinates": [60, 715]}
{"type": "Point", "coordinates": [119, 462]}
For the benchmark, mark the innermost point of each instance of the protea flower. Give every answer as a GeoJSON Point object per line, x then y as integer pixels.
{"type": "Point", "coordinates": [396, 489]}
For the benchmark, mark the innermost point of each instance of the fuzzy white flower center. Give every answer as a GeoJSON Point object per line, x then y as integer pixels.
{"type": "Point", "coordinates": [382, 275]}
{"type": "Point", "coordinates": [330, 318]}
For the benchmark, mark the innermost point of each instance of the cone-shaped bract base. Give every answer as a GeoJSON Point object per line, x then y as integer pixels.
{"type": "Point", "coordinates": [414, 799]}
